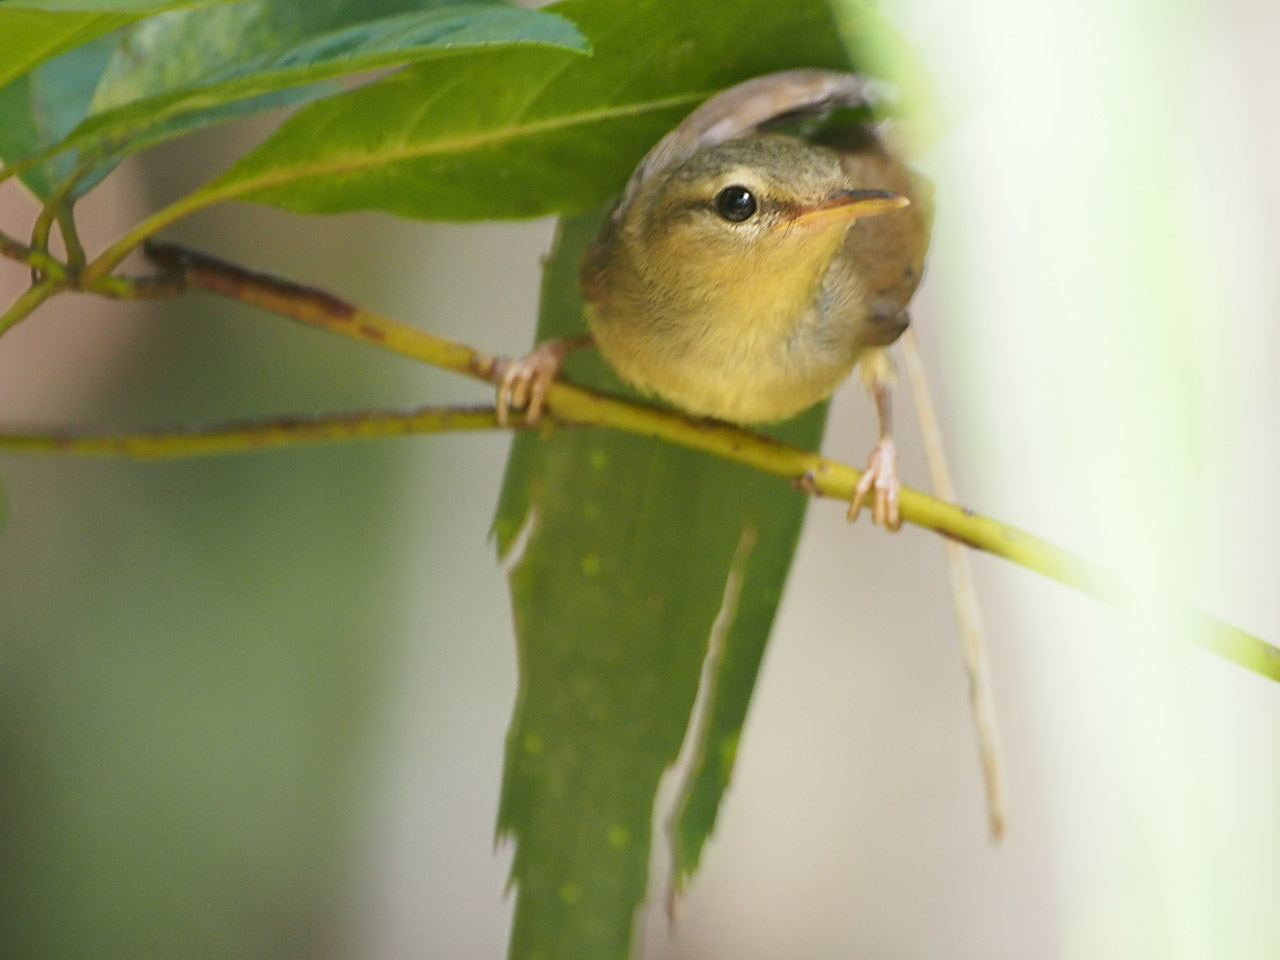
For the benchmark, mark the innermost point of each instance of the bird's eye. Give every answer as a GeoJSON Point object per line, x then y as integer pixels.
{"type": "Point", "coordinates": [735, 203]}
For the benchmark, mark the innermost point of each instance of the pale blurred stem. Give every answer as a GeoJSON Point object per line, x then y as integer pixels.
{"type": "Point", "coordinates": [963, 595]}
{"type": "Point", "coordinates": [251, 435]}
{"type": "Point", "coordinates": [572, 406]}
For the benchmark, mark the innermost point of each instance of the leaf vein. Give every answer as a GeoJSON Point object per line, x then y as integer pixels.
{"type": "Point", "coordinates": [228, 186]}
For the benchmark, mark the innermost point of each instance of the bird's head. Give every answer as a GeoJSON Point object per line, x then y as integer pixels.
{"type": "Point", "coordinates": [762, 217]}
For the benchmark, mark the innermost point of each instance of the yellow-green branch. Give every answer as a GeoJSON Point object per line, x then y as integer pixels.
{"type": "Point", "coordinates": [34, 295]}
{"type": "Point", "coordinates": [244, 436]}
{"type": "Point", "coordinates": [40, 260]}
{"type": "Point", "coordinates": [51, 276]}
{"type": "Point", "coordinates": [573, 406]}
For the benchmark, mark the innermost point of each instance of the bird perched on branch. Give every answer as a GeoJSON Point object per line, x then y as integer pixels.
{"type": "Point", "coordinates": [743, 275]}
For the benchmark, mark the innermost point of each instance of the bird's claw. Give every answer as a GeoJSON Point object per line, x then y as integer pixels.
{"type": "Point", "coordinates": [524, 382]}
{"type": "Point", "coordinates": [881, 476]}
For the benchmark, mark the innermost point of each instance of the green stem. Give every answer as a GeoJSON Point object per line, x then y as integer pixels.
{"type": "Point", "coordinates": [136, 288]}
{"type": "Point", "coordinates": [570, 405]}
{"type": "Point", "coordinates": [111, 258]}
{"type": "Point", "coordinates": [15, 250]}
{"type": "Point", "coordinates": [32, 298]}
{"type": "Point", "coordinates": [71, 238]}
{"type": "Point", "coordinates": [58, 210]}
{"type": "Point", "coordinates": [43, 228]}
{"type": "Point", "coordinates": [318, 308]}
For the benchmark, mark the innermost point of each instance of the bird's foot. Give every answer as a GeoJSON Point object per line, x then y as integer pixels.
{"type": "Point", "coordinates": [881, 476]}
{"type": "Point", "coordinates": [524, 382]}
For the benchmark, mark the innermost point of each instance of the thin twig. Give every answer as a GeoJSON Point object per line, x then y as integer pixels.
{"type": "Point", "coordinates": [42, 230]}
{"type": "Point", "coordinates": [963, 596]}
{"type": "Point", "coordinates": [70, 238]}
{"type": "Point", "coordinates": [13, 249]}
{"type": "Point", "coordinates": [34, 295]}
{"type": "Point", "coordinates": [568, 404]}
{"type": "Point", "coordinates": [136, 288]}
{"type": "Point", "coordinates": [242, 436]}
{"type": "Point", "coordinates": [110, 258]}
{"type": "Point", "coordinates": [317, 308]}
{"type": "Point", "coordinates": [57, 209]}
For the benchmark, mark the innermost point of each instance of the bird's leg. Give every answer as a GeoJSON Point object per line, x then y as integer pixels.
{"type": "Point", "coordinates": [524, 382]}
{"type": "Point", "coordinates": [881, 475]}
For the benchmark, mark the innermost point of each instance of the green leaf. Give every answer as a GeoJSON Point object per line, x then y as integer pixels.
{"type": "Point", "coordinates": [525, 132]}
{"type": "Point", "coordinates": [43, 106]}
{"type": "Point", "coordinates": [33, 31]}
{"type": "Point", "coordinates": [634, 553]}
{"type": "Point", "coordinates": [262, 45]}
{"type": "Point", "coordinates": [156, 86]}
{"type": "Point", "coordinates": [640, 570]}
{"type": "Point", "coordinates": [186, 69]}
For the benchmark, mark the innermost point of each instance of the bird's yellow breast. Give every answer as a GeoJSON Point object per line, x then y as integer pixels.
{"type": "Point", "coordinates": [748, 359]}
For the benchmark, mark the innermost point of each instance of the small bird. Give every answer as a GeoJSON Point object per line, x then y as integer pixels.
{"type": "Point", "coordinates": [743, 275]}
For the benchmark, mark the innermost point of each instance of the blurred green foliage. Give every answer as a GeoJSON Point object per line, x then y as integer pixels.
{"type": "Point", "coordinates": [190, 656]}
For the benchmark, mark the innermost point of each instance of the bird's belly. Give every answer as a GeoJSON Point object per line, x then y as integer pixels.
{"type": "Point", "coordinates": [743, 377]}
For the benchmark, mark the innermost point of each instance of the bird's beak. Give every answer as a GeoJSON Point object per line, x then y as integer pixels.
{"type": "Point", "coordinates": [845, 206]}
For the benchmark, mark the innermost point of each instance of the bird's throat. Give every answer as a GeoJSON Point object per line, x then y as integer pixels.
{"type": "Point", "coordinates": [774, 296]}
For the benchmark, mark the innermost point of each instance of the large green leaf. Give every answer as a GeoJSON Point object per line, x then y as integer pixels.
{"type": "Point", "coordinates": [524, 132]}
{"type": "Point", "coordinates": [261, 45]}
{"type": "Point", "coordinates": [641, 569]}
{"type": "Point", "coordinates": [634, 553]}
{"type": "Point", "coordinates": [156, 89]}
{"type": "Point", "coordinates": [186, 69]}
{"type": "Point", "coordinates": [33, 31]}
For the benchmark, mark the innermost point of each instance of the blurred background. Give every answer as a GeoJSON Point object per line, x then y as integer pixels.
{"type": "Point", "coordinates": [254, 706]}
